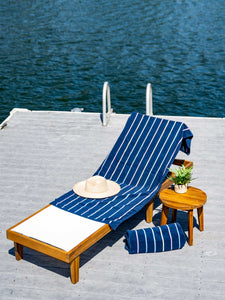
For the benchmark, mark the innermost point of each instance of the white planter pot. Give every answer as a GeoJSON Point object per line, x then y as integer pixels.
{"type": "Point", "coordinates": [180, 189]}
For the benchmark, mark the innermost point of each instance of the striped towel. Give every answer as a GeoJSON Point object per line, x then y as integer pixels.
{"type": "Point", "coordinates": [139, 163]}
{"type": "Point", "coordinates": [156, 239]}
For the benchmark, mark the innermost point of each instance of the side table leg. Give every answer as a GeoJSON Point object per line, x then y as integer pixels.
{"type": "Point", "coordinates": [74, 270]}
{"type": "Point", "coordinates": [164, 216]}
{"type": "Point", "coordinates": [174, 215]}
{"type": "Point", "coordinates": [200, 218]}
{"type": "Point", "coordinates": [190, 227]}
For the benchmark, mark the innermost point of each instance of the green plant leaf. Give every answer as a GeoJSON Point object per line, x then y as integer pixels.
{"type": "Point", "coordinates": [181, 175]}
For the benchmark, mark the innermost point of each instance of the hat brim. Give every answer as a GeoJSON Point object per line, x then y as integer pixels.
{"type": "Point", "coordinates": [113, 189]}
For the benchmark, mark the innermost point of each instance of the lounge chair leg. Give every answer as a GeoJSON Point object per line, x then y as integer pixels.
{"type": "Point", "coordinates": [149, 211]}
{"type": "Point", "coordinates": [74, 270]}
{"type": "Point", "coordinates": [18, 251]}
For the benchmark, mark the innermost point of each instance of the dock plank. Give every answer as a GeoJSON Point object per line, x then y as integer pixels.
{"type": "Point", "coordinates": [42, 155]}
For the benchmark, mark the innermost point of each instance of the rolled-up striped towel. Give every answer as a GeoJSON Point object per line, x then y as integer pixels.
{"type": "Point", "coordinates": [157, 239]}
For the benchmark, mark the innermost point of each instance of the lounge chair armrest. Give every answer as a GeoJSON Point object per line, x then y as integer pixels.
{"type": "Point", "coordinates": [186, 163]}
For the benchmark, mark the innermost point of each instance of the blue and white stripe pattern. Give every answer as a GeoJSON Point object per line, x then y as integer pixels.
{"type": "Point", "coordinates": [138, 162]}
{"type": "Point", "coordinates": [156, 239]}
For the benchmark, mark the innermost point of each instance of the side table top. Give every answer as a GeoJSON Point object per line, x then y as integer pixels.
{"type": "Point", "coordinates": [193, 198]}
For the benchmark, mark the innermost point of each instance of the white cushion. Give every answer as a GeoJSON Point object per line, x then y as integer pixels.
{"type": "Point", "coordinates": [58, 228]}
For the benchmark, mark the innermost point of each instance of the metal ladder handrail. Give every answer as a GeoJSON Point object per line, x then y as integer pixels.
{"type": "Point", "coordinates": [106, 98]}
{"type": "Point", "coordinates": [149, 108]}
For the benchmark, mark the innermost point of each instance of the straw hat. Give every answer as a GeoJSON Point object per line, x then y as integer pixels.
{"type": "Point", "coordinates": [96, 187]}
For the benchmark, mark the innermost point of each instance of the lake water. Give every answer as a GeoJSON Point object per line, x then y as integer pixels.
{"type": "Point", "coordinates": [56, 55]}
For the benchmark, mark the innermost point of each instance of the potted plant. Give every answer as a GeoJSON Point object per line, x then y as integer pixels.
{"type": "Point", "coordinates": [181, 177]}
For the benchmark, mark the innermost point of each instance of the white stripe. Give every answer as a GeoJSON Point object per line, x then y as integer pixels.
{"type": "Point", "coordinates": [103, 163]}
{"type": "Point", "coordinates": [152, 155]}
{"type": "Point", "coordinates": [105, 212]}
{"type": "Point", "coordinates": [162, 159]}
{"type": "Point", "coordinates": [70, 202]}
{"type": "Point", "coordinates": [163, 244]}
{"type": "Point", "coordinates": [124, 206]}
{"type": "Point", "coordinates": [102, 207]}
{"type": "Point", "coordinates": [134, 187]}
{"type": "Point", "coordinates": [76, 203]}
{"type": "Point", "coordinates": [153, 239]}
{"type": "Point", "coordinates": [156, 160]}
{"type": "Point", "coordinates": [171, 240]}
{"type": "Point", "coordinates": [109, 203]}
{"type": "Point", "coordinates": [139, 150]}
{"type": "Point", "coordinates": [146, 242]}
{"type": "Point", "coordinates": [65, 199]}
{"type": "Point", "coordinates": [128, 144]}
{"type": "Point", "coordinates": [75, 211]}
{"type": "Point", "coordinates": [90, 202]}
{"type": "Point", "coordinates": [137, 241]}
{"type": "Point", "coordinates": [88, 209]}
{"type": "Point", "coordinates": [119, 203]}
{"type": "Point", "coordinates": [177, 233]}
{"type": "Point", "coordinates": [136, 204]}
{"type": "Point", "coordinates": [145, 153]}
{"type": "Point", "coordinates": [133, 150]}
{"type": "Point", "coordinates": [121, 145]}
{"type": "Point", "coordinates": [171, 157]}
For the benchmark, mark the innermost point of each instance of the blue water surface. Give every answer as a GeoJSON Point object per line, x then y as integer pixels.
{"type": "Point", "coordinates": [56, 55]}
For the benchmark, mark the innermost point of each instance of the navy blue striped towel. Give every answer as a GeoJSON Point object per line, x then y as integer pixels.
{"type": "Point", "coordinates": [139, 163]}
{"type": "Point", "coordinates": [156, 239]}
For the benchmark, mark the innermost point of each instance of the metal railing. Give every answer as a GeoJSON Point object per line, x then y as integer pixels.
{"type": "Point", "coordinates": [149, 107]}
{"type": "Point", "coordinates": [106, 102]}
{"type": "Point", "coordinates": [106, 99]}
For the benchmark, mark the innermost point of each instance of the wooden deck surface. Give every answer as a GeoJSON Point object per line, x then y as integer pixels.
{"type": "Point", "coordinates": [42, 155]}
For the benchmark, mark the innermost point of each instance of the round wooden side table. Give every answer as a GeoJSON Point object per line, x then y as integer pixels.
{"type": "Point", "coordinates": [193, 198]}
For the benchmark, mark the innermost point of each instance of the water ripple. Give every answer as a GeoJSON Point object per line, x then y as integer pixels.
{"type": "Point", "coordinates": [57, 54]}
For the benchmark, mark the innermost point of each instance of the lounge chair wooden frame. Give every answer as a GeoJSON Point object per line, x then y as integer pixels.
{"type": "Point", "coordinates": [72, 257]}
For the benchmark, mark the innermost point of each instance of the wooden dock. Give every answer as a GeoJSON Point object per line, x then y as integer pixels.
{"type": "Point", "coordinates": [42, 155]}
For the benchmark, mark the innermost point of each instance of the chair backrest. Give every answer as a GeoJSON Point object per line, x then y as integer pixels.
{"type": "Point", "coordinates": [139, 162]}
{"type": "Point", "coordinates": [145, 150]}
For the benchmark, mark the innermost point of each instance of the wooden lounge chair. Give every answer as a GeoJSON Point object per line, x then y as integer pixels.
{"type": "Point", "coordinates": [72, 257]}
{"type": "Point", "coordinates": [94, 231]}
